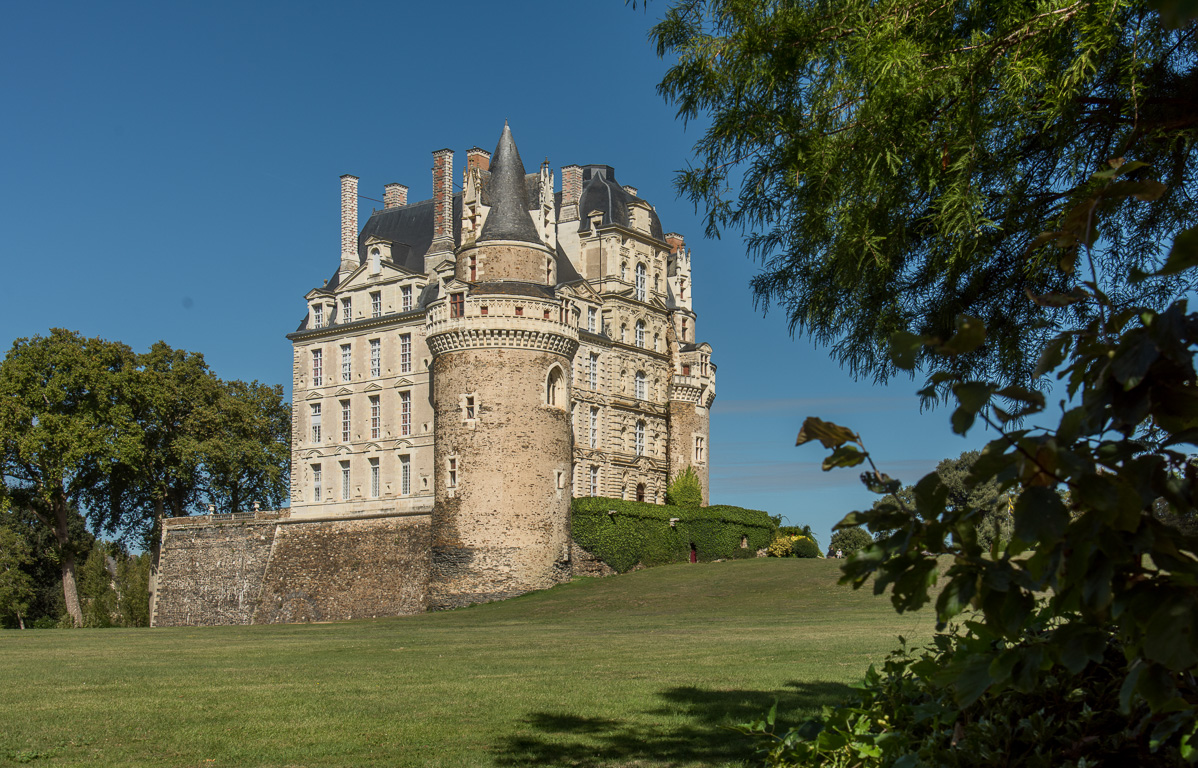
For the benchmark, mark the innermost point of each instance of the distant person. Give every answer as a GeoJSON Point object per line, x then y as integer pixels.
{"type": "Point", "coordinates": [839, 554]}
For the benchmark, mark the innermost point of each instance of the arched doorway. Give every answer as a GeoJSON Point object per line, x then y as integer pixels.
{"type": "Point", "coordinates": [640, 491]}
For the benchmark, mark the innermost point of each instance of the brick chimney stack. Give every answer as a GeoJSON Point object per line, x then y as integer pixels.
{"type": "Point", "coordinates": [395, 195]}
{"type": "Point", "coordinates": [571, 191]}
{"type": "Point", "coordinates": [676, 242]}
{"type": "Point", "coordinates": [478, 158]}
{"type": "Point", "coordinates": [442, 201]}
{"type": "Point", "coordinates": [349, 223]}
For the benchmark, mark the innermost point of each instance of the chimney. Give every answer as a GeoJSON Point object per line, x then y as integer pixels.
{"type": "Point", "coordinates": [477, 157]}
{"type": "Point", "coordinates": [631, 190]}
{"type": "Point", "coordinates": [349, 223]}
{"type": "Point", "coordinates": [395, 195]}
{"type": "Point", "coordinates": [571, 191]}
{"type": "Point", "coordinates": [676, 242]}
{"type": "Point", "coordinates": [442, 201]}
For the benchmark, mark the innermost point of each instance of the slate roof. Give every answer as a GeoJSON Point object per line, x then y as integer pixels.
{"type": "Point", "coordinates": [508, 218]}
{"type": "Point", "coordinates": [601, 192]}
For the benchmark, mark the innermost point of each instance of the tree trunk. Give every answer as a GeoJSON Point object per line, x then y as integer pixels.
{"type": "Point", "coordinates": [20, 621]}
{"type": "Point", "coordinates": [69, 592]}
{"type": "Point", "coordinates": [155, 554]}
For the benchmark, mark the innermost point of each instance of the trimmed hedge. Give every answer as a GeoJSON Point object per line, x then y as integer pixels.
{"type": "Point", "coordinates": [641, 532]}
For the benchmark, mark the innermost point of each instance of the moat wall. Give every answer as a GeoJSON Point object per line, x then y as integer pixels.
{"type": "Point", "coordinates": [268, 568]}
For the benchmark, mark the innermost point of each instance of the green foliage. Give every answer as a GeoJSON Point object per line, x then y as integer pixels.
{"type": "Point", "coordinates": [133, 597]}
{"type": "Point", "coordinates": [925, 708]}
{"type": "Point", "coordinates": [798, 530]}
{"type": "Point", "coordinates": [97, 592]}
{"type": "Point", "coordinates": [16, 586]}
{"type": "Point", "coordinates": [685, 490]}
{"type": "Point", "coordinates": [849, 540]}
{"type": "Point", "coordinates": [890, 162]}
{"type": "Point", "coordinates": [641, 533]}
{"type": "Point", "coordinates": [804, 547]}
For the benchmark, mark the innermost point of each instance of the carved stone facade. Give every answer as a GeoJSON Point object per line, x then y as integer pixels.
{"type": "Point", "coordinates": [481, 358]}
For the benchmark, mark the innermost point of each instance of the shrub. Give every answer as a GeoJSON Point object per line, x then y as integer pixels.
{"type": "Point", "coordinates": [685, 490]}
{"type": "Point", "coordinates": [907, 714]}
{"type": "Point", "coordinates": [849, 540]}
{"type": "Point", "coordinates": [781, 546]}
{"type": "Point", "coordinates": [804, 547]}
{"type": "Point", "coordinates": [641, 533]}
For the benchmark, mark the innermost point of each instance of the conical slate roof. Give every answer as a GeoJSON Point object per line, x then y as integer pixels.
{"type": "Point", "coordinates": [508, 218]}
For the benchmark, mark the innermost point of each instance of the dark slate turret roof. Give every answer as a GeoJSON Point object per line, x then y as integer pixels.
{"type": "Point", "coordinates": [601, 192]}
{"type": "Point", "coordinates": [508, 218]}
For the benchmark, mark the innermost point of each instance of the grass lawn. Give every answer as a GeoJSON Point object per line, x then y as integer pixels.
{"type": "Point", "coordinates": [635, 670]}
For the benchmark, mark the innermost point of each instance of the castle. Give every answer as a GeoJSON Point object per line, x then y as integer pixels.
{"type": "Point", "coordinates": [477, 360]}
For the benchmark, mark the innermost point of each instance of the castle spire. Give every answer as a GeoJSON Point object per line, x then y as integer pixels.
{"type": "Point", "coordinates": [508, 218]}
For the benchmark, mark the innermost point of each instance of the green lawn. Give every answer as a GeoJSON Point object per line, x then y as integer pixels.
{"type": "Point", "coordinates": [635, 670]}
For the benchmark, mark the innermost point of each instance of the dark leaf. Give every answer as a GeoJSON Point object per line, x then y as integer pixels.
{"type": "Point", "coordinates": [829, 434]}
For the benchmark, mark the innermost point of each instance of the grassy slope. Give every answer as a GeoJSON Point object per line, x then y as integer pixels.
{"type": "Point", "coordinates": [637, 670]}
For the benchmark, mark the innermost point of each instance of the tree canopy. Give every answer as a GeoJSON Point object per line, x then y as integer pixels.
{"type": "Point", "coordinates": [891, 162]}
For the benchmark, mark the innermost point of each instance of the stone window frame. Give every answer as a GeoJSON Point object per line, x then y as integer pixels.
{"type": "Point", "coordinates": [453, 474]}
{"type": "Point", "coordinates": [468, 403]}
{"type": "Point", "coordinates": [317, 367]}
{"type": "Point", "coordinates": [375, 478]}
{"type": "Point", "coordinates": [376, 358]}
{"type": "Point", "coordinates": [405, 293]}
{"type": "Point", "coordinates": [642, 282]}
{"type": "Point", "coordinates": [346, 421]}
{"type": "Point", "coordinates": [641, 385]}
{"type": "Point", "coordinates": [592, 319]}
{"type": "Point", "coordinates": [347, 309]}
{"type": "Point", "coordinates": [317, 315]}
{"type": "Point", "coordinates": [376, 417]}
{"type": "Point", "coordinates": [593, 426]}
{"type": "Point", "coordinates": [405, 474]}
{"type": "Point", "coordinates": [346, 480]}
{"type": "Point", "coordinates": [376, 303]}
{"type": "Point", "coordinates": [640, 437]}
{"type": "Point", "coordinates": [594, 480]}
{"type": "Point", "coordinates": [457, 304]}
{"type": "Point", "coordinates": [640, 333]}
{"type": "Point", "coordinates": [555, 387]}
{"type": "Point", "coordinates": [700, 449]}
{"type": "Point", "coordinates": [347, 363]}
{"type": "Point", "coordinates": [405, 413]}
{"type": "Point", "coordinates": [593, 371]}
{"type": "Point", "coordinates": [316, 482]}
{"type": "Point", "coordinates": [314, 421]}
{"type": "Point", "coordinates": [405, 353]}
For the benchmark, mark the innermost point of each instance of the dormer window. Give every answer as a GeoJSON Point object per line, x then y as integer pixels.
{"type": "Point", "coordinates": [376, 304]}
{"type": "Point", "coordinates": [592, 315]}
{"type": "Point", "coordinates": [318, 316]}
{"type": "Point", "coordinates": [347, 310]}
{"type": "Point", "coordinates": [375, 261]}
{"type": "Point", "coordinates": [405, 294]}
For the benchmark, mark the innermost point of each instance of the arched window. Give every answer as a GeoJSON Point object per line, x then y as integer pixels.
{"type": "Point", "coordinates": [641, 282]}
{"type": "Point", "coordinates": [640, 385]}
{"type": "Point", "coordinates": [640, 441]}
{"type": "Point", "coordinates": [640, 333]}
{"type": "Point", "coordinates": [640, 491]}
{"type": "Point", "coordinates": [555, 388]}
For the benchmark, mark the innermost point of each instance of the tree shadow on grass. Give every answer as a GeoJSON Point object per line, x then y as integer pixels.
{"type": "Point", "coordinates": [687, 728]}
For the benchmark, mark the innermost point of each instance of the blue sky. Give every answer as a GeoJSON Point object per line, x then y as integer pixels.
{"type": "Point", "coordinates": [171, 172]}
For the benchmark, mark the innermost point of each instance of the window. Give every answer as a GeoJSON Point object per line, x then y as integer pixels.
{"type": "Point", "coordinates": [640, 492]}
{"type": "Point", "coordinates": [457, 304]}
{"type": "Point", "coordinates": [519, 311]}
{"type": "Point", "coordinates": [546, 316]}
{"type": "Point", "coordinates": [469, 404]}
{"type": "Point", "coordinates": [345, 487]}
{"type": "Point", "coordinates": [345, 421]}
{"type": "Point", "coordinates": [641, 282]}
{"type": "Point", "coordinates": [624, 271]}
{"type": "Point", "coordinates": [549, 271]}
{"type": "Point", "coordinates": [555, 388]}
{"type": "Point", "coordinates": [318, 316]}
{"type": "Point", "coordinates": [376, 418]}
{"type": "Point", "coordinates": [686, 370]}
{"type": "Point", "coordinates": [640, 385]}
{"type": "Point", "coordinates": [316, 422]}
{"type": "Point", "coordinates": [405, 353]}
{"type": "Point", "coordinates": [594, 481]}
{"type": "Point", "coordinates": [684, 329]}
{"type": "Point", "coordinates": [698, 449]}
{"type": "Point", "coordinates": [346, 362]}
{"type": "Point", "coordinates": [453, 473]}
{"type": "Point", "coordinates": [405, 295]}
{"type": "Point", "coordinates": [376, 260]}
{"type": "Point", "coordinates": [374, 478]}
{"type": "Point", "coordinates": [593, 372]}
{"type": "Point", "coordinates": [592, 317]}
{"type": "Point", "coordinates": [483, 310]}
{"type": "Point", "coordinates": [405, 475]}
{"type": "Point", "coordinates": [640, 438]}
{"type": "Point", "coordinates": [640, 333]}
{"type": "Point", "coordinates": [315, 482]}
{"type": "Point", "coordinates": [594, 428]}
{"type": "Point", "coordinates": [682, 290]}
{"type": "Point", "coordinates": [317, 367]}
{"type": "Point", "coordinates": [347, 310]}
{"type": "Point", "coordinates": [473, 267]}
{"type": "Point", "coordinates": [376, 304]}
{"type": "Point", "coordinates": [376, 358]}
{"type": "Point", "coordinates": [405, 413]}
{"type": "Point", "coordinates": [623, 333]}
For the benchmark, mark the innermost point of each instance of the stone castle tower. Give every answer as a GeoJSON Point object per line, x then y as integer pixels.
{"type": "Point", "coordinates": [478, 359]}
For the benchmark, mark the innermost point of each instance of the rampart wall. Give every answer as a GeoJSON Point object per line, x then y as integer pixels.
{"type": "Point", "coordinates": [269, 568]}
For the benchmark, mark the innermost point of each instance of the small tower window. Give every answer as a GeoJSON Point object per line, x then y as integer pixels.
{"type": "Point", "coordinates": [473, 267]}
{"type": "Point", "coordinates": [519, 311]}
{"type": "Point", "coordinates": [457, 304]}
{"type": "Point", "coordinates": [555, 394]}
{"type": "Point", "coordinates": [452, 480]}
{"type": "Point", "coordinates": [469, 407]}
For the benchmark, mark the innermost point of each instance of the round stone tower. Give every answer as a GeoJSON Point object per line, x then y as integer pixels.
{"type": "Point", "coordinates": [502, 346]}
